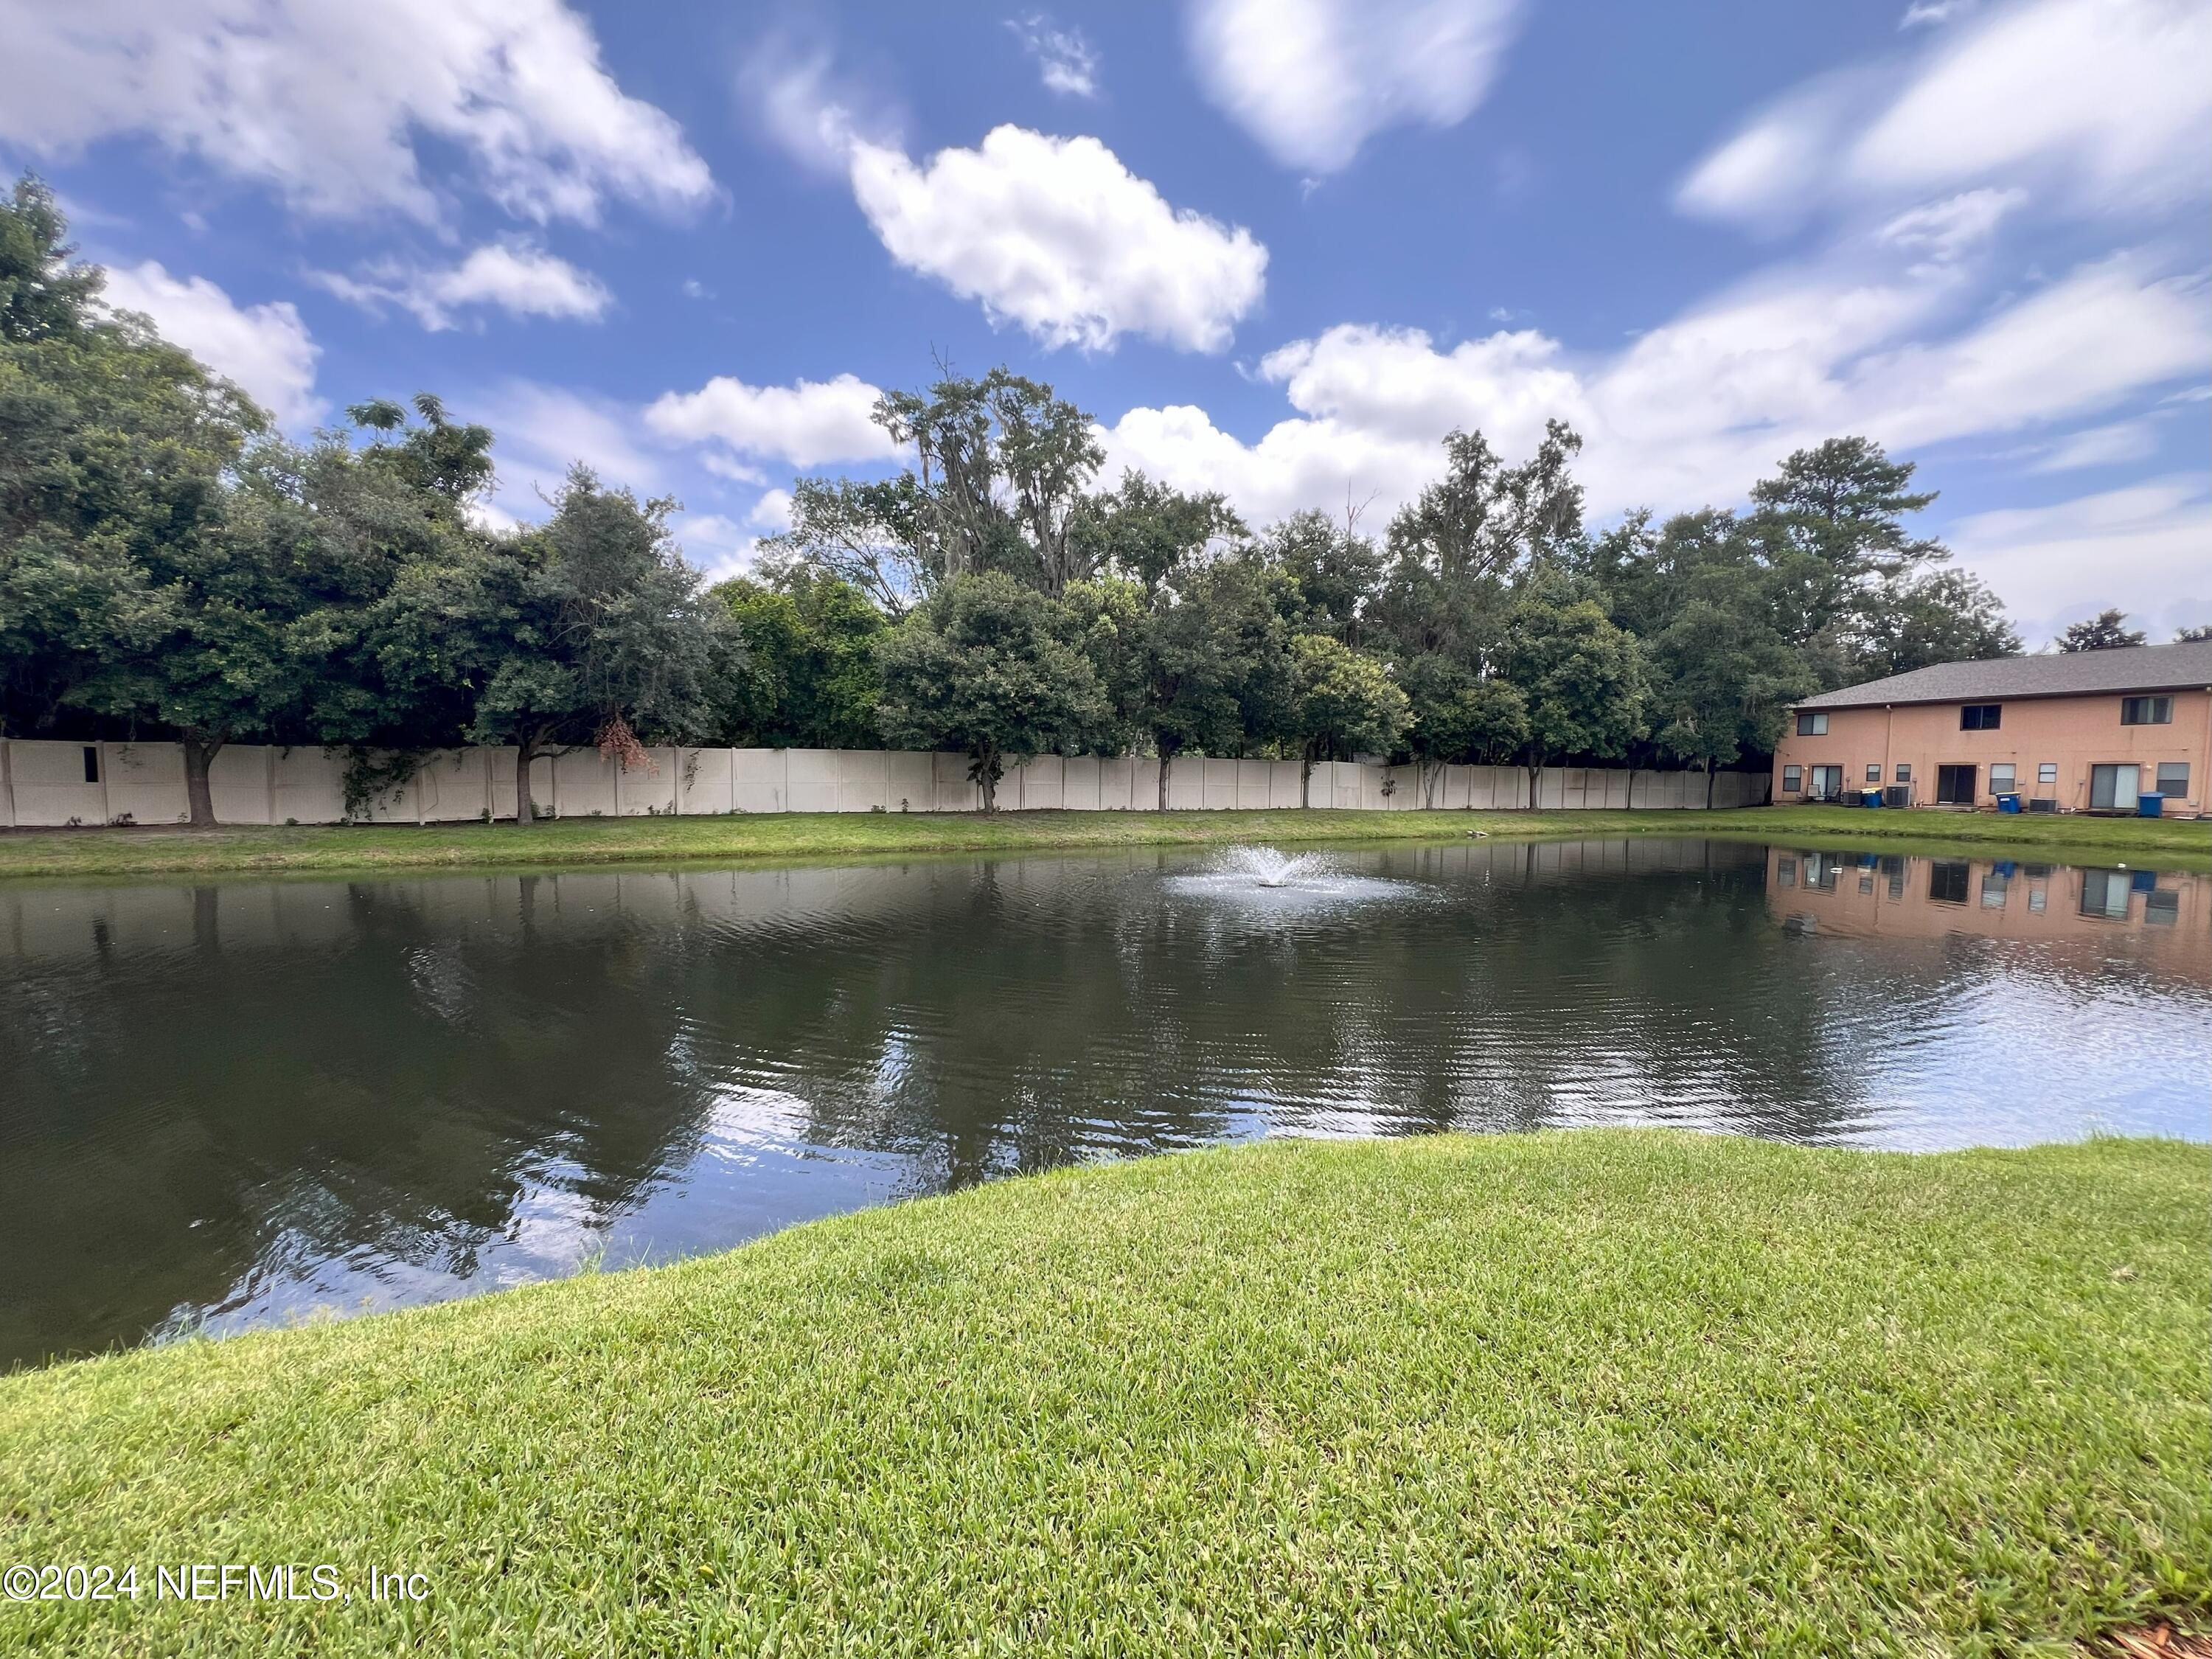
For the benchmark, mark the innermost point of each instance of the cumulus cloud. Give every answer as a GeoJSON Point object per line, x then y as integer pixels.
{"type": "Point", "coordinates": [808, 423]}
{"type": "Point", "coordinates": [1313, 80]}
{"type": "Point", "coordinates": [1695, 411]}
{"type": "Point", "coordinates": [540, 431]}
{"type": "Point", "coordinates": [2107, 100]}
{"type": "Point", "coordinates": [327, 103]}
{"type": "Point", "coordinates": [1066, 63]}
{"type": "Point", "coordinates": [517, 277]}
{"type": "Point", "coordinates": [1057, 235]}
{"type": "Point", "coordinates": [266, 348]}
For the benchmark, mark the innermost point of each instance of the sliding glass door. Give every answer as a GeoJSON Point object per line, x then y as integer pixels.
{"type": "Point", "coordinates": [2113, 788]}
{"type": "Point", "coordinates": [1954, 785]}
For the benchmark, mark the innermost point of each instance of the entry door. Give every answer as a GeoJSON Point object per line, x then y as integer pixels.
{"type": "Point", "coordinates": [1827, 783]}
{"type": "Point", "coordinates": [2113, 788]}
{"type": "Point", "coordinates": [1954, 785]}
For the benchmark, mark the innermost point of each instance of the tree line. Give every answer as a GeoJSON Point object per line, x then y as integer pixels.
{"type": "Point", "coordinates": [171, 567]}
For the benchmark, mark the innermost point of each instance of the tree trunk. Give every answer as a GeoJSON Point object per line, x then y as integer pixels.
{"type": "Point", "coordinates": [987, 773]}
{"type": "Point", "coordinates": [1166, 761]}
{"type": "Point", "coordinates": [1305, 779]}
{"type": "Point", "coordinates": [524, 811]}
{"type": "Point", "coordinates": [1709, 785]}
{"type": "Point", "coordinates": [199, 752]}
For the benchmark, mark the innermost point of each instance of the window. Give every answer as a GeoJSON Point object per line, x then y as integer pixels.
{"type": "Point", "coordinates": [2047, 772]}
{"type": "Point", "coordinates": [1874, 775]}
{"type": "Point", "coordinates": [2174, 780]}
{"type": "Point", "coordinates": [1946, 882]}
{"type": "Point", "coordinates": [92, 762]}
{"type": "Point", "coordinates": [2002, 778]}
{"type": "Point", "coordinates": [1905, 772]}
{"type": "Point", "coordinates": [1812, 726]}
{"type": "Point", "coordinates": [1793, 780]}
{"type": "Point", "coordinates": [2162, 907]}
{"type": "Point", "coordinates": [1981, 716]}
{"type": "Point", "coordinates": [1785, 872]}
{"type": "Point", "coordinates": [1995, 886]}
{"type": "Point", "coordinates": [2142, 711]}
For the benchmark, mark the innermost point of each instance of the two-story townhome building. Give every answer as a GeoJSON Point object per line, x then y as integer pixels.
{"type": "Point", "coordinates": [2084, 731]}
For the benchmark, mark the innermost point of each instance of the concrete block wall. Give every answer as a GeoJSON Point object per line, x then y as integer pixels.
{"type": "Point", "coordinates": [49, 784]}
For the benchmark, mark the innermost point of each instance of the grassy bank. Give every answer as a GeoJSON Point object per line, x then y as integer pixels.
{"type": "Point", "coordinates": [829, 835]}
{"type": "Point", "coordinates": [1611, 1392]}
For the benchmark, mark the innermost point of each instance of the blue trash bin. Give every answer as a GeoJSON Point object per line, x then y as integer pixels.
{"type": "Point", "coordinates": [1869, 797]}
{"type": "Point", "coordinates": [2150, 805]}
{"type": "Point", "coordinates": [2011, 804]}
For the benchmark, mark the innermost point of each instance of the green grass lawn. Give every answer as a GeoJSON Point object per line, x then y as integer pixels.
{"type": "Point", "coordinates": [1600, 1392]}
{"type": "Point", "coordinates": [825, 836]}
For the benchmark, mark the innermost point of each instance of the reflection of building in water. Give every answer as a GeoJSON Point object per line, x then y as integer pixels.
{"type": "Point", "coordinates": [1871, 895]}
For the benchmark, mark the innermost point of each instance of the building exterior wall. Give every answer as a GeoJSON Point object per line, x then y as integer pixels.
{"type": "Point", "coordinates": [43, 784]}
{"type": "Point", "coordinates": [2073, 733]}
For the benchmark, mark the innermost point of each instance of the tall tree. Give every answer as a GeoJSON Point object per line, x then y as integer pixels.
{"type": "Point", "coordinates": [1215, 662]}
{"type": "Point", "coordinates": [869, 534]}
{"type": "Point", "coordinates": [610, 641]}
{"type": "Point", "coordinates": [1147, 531]}
{"type": "Point", "coordinates": [1331, 569]}
{"type": "Point", "coordinates": [992, 668]}
{"type": "Point", "coordinates": [1002, 466]}
{"type": "Point", "coordinates": [1583, 677]}
{"type": "Point", "coordinates": [1456, 718]}
{"type": "Point", "coordinates": [115, 450]}
{"type": "Point", "coordinates": [1455, 552]}
{"type": "Point", "coordinates": [2107, 630]}
{"type": "Point", "coordinates": [1944, 615]}
{"type": "Point", "coordinates": [1342, 702]}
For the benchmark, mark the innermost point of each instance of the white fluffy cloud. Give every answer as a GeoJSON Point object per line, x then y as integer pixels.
{"type": "Point", "coordinates": [2108, 100]}
{"type": "Point", "coordinates": [2141, 547]}
{"type": "Point", "coordinates": [517, 277]}
{"type": "Point", "coordinates": [1696, 410]}
{"type": "Point", "coordinates": [1055, 235]}
{"type": "Point", "coordinates": [325, 102]}
{"type": "Point", "coordinates": [809, 423]}
{"type": "Point", "coordinates": [1312, 80]}
{"type": "Point", "coordinates": [266, 348]}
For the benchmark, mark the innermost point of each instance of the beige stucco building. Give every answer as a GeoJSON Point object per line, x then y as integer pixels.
{"type": "Point", "coordinates": [2087, 730]}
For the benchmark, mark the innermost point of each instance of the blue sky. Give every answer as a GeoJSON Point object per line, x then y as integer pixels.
{"type": "Point", "coordinates": [1278, 248]}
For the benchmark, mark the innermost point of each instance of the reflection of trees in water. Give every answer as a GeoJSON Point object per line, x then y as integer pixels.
{"type": "Point", "coordinates": [212, 1087]}
{"type": "Point", "coordinates": [392, 1089]}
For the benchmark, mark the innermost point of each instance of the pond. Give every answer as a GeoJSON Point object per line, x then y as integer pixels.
{"type": "Point", "coordinates": [258, 1100]}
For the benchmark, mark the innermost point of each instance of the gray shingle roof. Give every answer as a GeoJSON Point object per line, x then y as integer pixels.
{"type": "Point", "coordinates": [2056, 674]}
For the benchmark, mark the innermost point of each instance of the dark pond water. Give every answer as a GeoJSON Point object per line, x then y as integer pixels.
{"type": "Point", "coordinates": [253, 1102]}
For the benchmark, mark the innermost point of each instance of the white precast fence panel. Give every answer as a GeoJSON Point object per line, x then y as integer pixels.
{"type": "Point", "coordinates": [46, 784]}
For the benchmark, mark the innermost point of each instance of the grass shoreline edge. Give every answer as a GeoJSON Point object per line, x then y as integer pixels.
{"type": "Point", "coordinates": [1612, 1388]}
{"type": "Point", "coordinates": [828, 837]}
